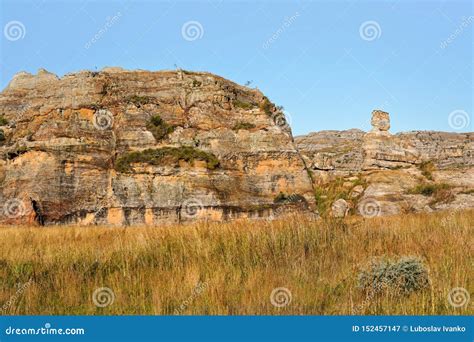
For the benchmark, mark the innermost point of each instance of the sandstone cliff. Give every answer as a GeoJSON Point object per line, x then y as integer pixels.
{"type": "Point", "coordinates": [138, 147]}
{"type": "Point", "coordinates": [377, 173]}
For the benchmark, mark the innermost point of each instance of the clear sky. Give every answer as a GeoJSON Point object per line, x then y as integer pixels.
{"type": "Point", "coordinates": [328, 63]}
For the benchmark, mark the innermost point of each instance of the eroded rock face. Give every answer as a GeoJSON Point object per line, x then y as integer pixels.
{"type": "Point", "coordinates": [216, 150]}
{"type": "Point", "coordinates": [336, 151]}
{"type": "Point", "coordinates": [383, 174]}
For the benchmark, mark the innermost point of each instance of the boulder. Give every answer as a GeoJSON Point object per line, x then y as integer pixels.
{"type": "Point", "coordinates": [340, 208]}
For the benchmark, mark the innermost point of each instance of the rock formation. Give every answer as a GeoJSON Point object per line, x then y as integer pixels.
{"type": "Point", "coordinates": [137, 147]}
{"type": "Point", "coordinates": [380, 122]}
{"type": "Point", "coordinates": [378, 173]}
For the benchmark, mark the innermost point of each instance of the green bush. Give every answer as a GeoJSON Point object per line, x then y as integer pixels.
{"type": "Point", "coordinates": [243, 104]}
{"type": "Point", "coordinates": [266, 106]}
{"type": "Point", "coordinates": [429, 189]}
{"type": "Point", "coordinates": [159, 128]}
{"type": "Point", "coordinates": [440, 193]}
{"type": "Point", "coordinates": [18, 152]}
{"type": "Point", "coordinates": [284, 198]}
{"type": "Point", "coordinates": [3, 121]}
{"type": "Point", "coordinates": [405, 275]}
{"type": "Point", "coordinates": [243, 125]}
{"type": "Point", "coordinates": [166, 156]}
{"type": "Point", "coordinates": [139, 100]}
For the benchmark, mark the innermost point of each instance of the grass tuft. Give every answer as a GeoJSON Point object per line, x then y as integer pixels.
{"type": "Point", "coordinates": [327, 193]}
{"type": "Point", "coordinates": [429, 189]}
{"type": "Point", "coordinates": [427, 169]}
{"type": "Point", "coordinates": [159, 128]}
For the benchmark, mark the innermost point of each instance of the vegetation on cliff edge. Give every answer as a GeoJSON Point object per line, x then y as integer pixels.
{"type": "Point", "coordinates": [243, 125]}
{"type": "Point", "coordinates": [166, 156]}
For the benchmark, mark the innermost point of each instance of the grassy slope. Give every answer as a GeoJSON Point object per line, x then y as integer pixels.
{"type": "Point", "coordinates": [155, 270]}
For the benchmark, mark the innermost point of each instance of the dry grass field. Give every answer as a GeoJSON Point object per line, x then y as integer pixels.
{"type": "Point", "coordinates": [232, 268]}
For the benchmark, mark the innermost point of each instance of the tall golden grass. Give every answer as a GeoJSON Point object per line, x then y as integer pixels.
{"type": "Point", "coordinates": [235, 266]}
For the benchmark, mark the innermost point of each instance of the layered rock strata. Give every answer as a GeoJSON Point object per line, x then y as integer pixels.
{"type": "Point", "coordinates": [377, 173]}
{"type": "Point", "coordinates": [137, 147]}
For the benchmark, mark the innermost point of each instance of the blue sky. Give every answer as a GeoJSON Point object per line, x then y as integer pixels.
{"type": "Point", "coordinates": [328, 63]}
